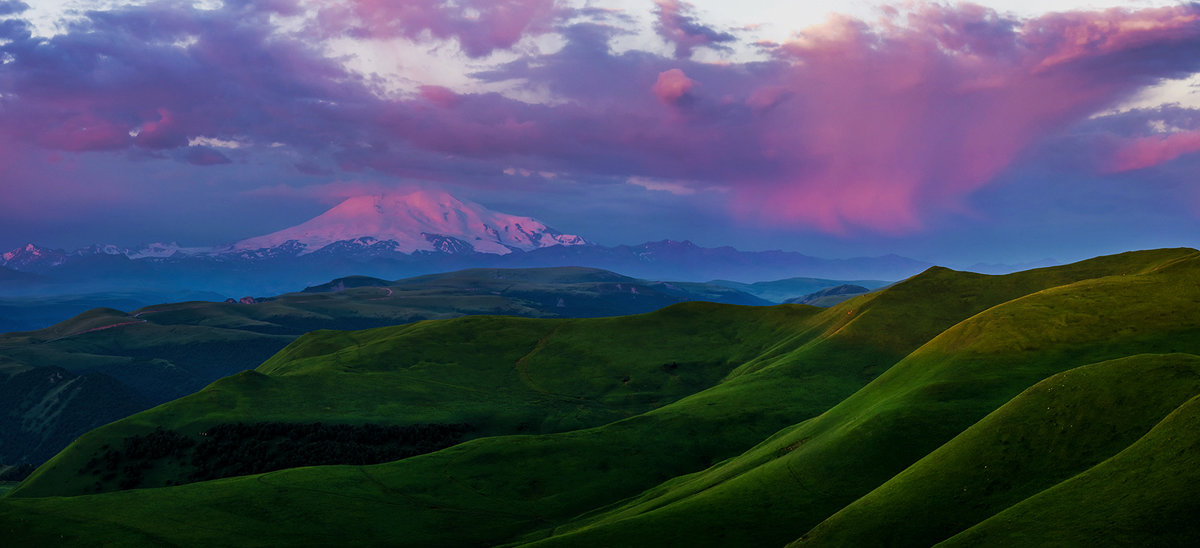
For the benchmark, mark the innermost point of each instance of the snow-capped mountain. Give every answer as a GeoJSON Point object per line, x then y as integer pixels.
{"type": "Point", "coordinates": [392, 236]}
{"type": "Point", "coordinates": [419, 221]}
{"type": "Point", "coordinates": [32, 258]}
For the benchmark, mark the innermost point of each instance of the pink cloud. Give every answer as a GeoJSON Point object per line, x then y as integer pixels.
{"type": "Point", "coordinates": [1153, 150]}
{"type": "Point", "coordinates": [894, 123]}
{"type": "Point", "coordinates": [848, 128]}
{"type": "Point", "coordinates": [165, 132]}
{"type": "Point", "coordinates": [766, 97]}
{"type": "Point", "coordinates": [672, 85]}
{"type": "Point", "coordinates": [1065, 37]}
{"type": "Point", "coordinates": [439, 95]}
{"type": "Point", "coordinates": [480, 26]}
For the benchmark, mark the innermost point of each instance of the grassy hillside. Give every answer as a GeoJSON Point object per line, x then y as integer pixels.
{"type": "Point", "coordinates": [159, 353]}
{"type": "Point", "coordinates": [950, 407]}
{"type": "Point", "coordinates": [498, 375]}
{"type": "Point", "coordinates": [1053, 431]}
{"type": "Point", "coordinates": [1146, 304]}
{"type": "Point", "coordinates": [1144, 495]}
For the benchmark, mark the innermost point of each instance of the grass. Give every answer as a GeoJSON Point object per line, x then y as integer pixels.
{"type": "Point", "coordinates": [861, 424]}
{"type": "Point", "coordinates": [163, 352]}
{"type": "Point", "coordinates": [820, 466]}
{"type": "Point", "coordinates": [1051, 432]}
{"type": "Point", "coordinates": [1144, 495]}
{"type": "Point", "coordinates": [500, 375]}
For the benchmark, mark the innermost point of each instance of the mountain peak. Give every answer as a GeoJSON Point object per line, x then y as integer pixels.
{"type": "Point", "coordinates": [413, 220]}
{"type": "Point", "coordinates": [31, 255]}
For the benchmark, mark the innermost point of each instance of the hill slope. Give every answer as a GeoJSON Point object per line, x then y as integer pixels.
{"type": "Point", "coordinates": [825, 426]}
{"type": "Point", "coordinates": [162, 352]}
{"type": "Point", "coordinates": [820, 466]}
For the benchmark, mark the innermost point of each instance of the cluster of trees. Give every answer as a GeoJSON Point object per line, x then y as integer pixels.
{"type": "Point", "coordinates": [236, 449]}
{"type": "Point", "coordinates": [127, 465]}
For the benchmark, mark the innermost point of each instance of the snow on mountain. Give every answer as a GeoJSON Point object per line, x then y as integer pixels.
{"type": "Point", "coordinates": [32, 256]}
{"type": "Point", "coordinates": [160, 250]}
{"type": "Point", "coordinates": [101, 249]}
{"type": "Point", "coordinates": [419, 221]}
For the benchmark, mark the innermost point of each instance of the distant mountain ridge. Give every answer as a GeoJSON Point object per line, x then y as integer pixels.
{"type": "Point", "coordinates": [288, 266]}
{"type": "Point", "coordinates": [423, 220]}
{"type": "Point", "coordinates": [391, 236]}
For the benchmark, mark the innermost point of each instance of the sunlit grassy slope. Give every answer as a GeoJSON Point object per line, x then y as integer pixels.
{"type": "Point", "coordinates": [950, 407]}
{"type": "Point", "coordinates": [1058, 428]}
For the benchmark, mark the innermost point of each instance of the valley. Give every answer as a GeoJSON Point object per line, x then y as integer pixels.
{"type": "Point", "coordinates": [950, 407]}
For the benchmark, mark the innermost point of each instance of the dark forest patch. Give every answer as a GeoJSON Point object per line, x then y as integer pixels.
{"type": "Point", "coordinates": [166, 457]}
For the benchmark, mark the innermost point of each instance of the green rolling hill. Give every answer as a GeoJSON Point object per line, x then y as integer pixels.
{"type": "Point", "coordinates": [1052, 406]}
{"type": "Point", "coordinates": [104, 364]}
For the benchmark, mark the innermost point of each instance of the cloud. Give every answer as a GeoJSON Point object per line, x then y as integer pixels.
{"type": "Point", "coordinates": [673, 187]}
{"type": "Point", "coordinates": [848, 128]}
{"type": "Point", "coordinates": [214, 142]}
{"type": "Point", "coordinates": [889, 125]}
{"type": "Point", "coordinates": [12, 7]}
{"type": "Point", "coordinates": [168, 73]}
{"type": "Point", "coordinates": [439, 95]}
{"type": "Point", "coordinates": [672, 85]}
{"type": "Point", "coordinates": [852, 127]}
{"type": "Point", "coordinates": [677, 24]}
{"type": "Point", "coordinates": [1150, 151]}
{"type": "Point", "coordinates": [479, 26]}
{"type": "Point", "coordinates": [165, 132]}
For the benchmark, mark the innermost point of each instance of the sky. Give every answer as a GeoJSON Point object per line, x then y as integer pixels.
{"type": "Point", "coordinates": [996, 132]}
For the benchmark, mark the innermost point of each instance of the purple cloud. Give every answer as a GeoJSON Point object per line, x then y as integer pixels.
{"type": "Point", "coordinates": [677, 24]}
{"type": "Point", "coordinates": [848, 128]}
{"type": "Point", "coordinates": [479, 26]}
{"type": "Point", "coordinates": [12, 7]}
